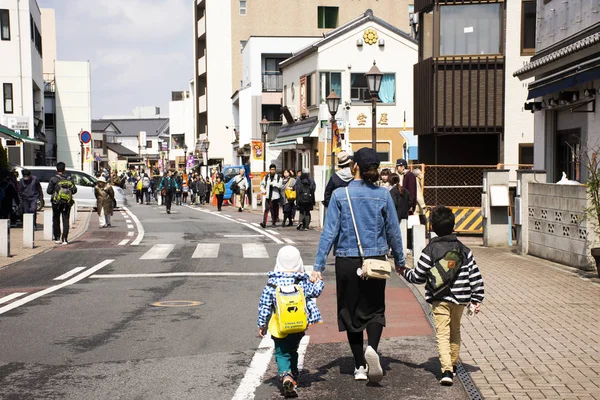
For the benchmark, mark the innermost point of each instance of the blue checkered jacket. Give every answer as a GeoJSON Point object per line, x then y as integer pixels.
{"type": "Point", "coordinates": [267, 302]}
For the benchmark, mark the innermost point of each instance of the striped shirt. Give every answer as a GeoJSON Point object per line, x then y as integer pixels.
{"type": "Point", "coordinates": [468, 286]}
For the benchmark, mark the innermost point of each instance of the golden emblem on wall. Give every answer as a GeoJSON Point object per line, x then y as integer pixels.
{"type": "Point", "coordinates": [370, 36]}
{"type": "Point", "coordinates": [362, 119]}
{"type": "Point", "coordinates": [383, 119]}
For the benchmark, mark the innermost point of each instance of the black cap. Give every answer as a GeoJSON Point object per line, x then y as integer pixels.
{"type": "Point", "coordinates": [26, 172]}
{"type": "Point", "coordinates": [401, 161]}
{"type": "Point", "coordinates": [366, 158]}
{"type": "Point", "coordinates": [272, 166]}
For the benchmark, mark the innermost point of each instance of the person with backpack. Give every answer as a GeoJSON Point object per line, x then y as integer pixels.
{"type": "Point", "coordinates": [146, 189]}
{"type": "Point", "coordinates": [341, 178]}
{"type": "Point", "coordinates": [289, 196]}
{"type": "Point", "coordinates": [270, 188]}
{"type": "Point", "coordinates": [8, 195]}
{"type": "Point", "coordinates": [61, 189]}
{"type": "Point", "coordinates": [305, 198]}
{"type": "Point", "coordinates": [452, 282]}
{"type": "Point", "coordinates": [167, 188]}
{"type": "Point", "coordinates": [239, 186]}
{"type": "Point", "coordinates": [30, 193]}
{"type": "Point", "coordinates": [105, 197]}
{"type": "Point", "coordinates": [286, 309]}
{"type": "Point", "coordinates": [179, 190]}
{"type": "Point", "coordinates": [186, 192]}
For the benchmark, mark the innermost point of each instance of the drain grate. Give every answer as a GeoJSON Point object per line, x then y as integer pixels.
{"type": "Point", "coordinates": [461, 372]}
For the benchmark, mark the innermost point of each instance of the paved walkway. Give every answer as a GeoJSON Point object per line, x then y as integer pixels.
{"type": "Point", "coordinates": [19, 253]}
{"type": "Point", "coordinates": [538, 335]}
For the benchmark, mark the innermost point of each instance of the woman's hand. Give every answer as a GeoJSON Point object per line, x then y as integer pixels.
{"type": "Point", "coordinates": [400, 269]}
{"type": "Point", "coordinates": [316, 276]}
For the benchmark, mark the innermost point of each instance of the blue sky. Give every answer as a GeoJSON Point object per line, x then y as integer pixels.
{"type": "Point", "coordinates": [139, 50]}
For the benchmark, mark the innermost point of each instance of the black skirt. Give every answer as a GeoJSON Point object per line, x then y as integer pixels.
{"type": "Point", "coordinates": [359, 302]}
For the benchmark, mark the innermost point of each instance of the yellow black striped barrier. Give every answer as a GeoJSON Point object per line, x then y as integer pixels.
{"type": "Point", "coordinates": [468, 220]}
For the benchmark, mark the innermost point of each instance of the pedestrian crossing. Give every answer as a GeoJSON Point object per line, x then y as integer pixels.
{"type": "Point", "coordinates": [214, 250]}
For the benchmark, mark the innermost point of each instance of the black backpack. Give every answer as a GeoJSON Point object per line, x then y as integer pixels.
{"type": "Point", "coordinates": [235, 187]}
{"type": "Point", "coordinates": [304, 195]}
{"type": "Point", "coordinates": [444, 272]}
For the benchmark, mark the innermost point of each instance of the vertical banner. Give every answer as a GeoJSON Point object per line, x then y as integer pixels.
{"type": "Point", "coordinates": [190, 162]}
{"type": "Point", "coordinates": [303, 100]}
{"type": "Point", "coordinates": [336, 143]}
{"type": "Point", "coordinates": [88, 153]}
{"type": "Point", "coordinates": [257, 150]}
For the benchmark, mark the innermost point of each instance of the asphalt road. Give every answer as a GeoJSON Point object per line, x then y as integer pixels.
{"type": "Point", "coordinates": [101, 333]}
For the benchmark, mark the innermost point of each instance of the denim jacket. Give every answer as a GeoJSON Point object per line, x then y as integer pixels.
{"type": "Point", "coordinates": [376, 220]}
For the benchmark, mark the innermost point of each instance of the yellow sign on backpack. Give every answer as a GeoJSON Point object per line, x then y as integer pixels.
{"type": "Point", "coordinates": [290, 312]}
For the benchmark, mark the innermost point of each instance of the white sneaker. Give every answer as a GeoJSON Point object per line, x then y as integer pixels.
{"type": "Point", "coordinates": [360, 374]}
{"type": "Point", "coordinates": [375, 373]}
{"type": "Point", "coordinates": [58, 241]}
{"type": "Point", "coordinates": [65, 243]}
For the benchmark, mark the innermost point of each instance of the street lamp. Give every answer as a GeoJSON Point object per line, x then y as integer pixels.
{"type": "Point", "coordinates": [185, 149]}
{"type": "Point", "coordinates": [333, 103]}
{"type": "Point", "coordinates": [204, 145]}
{"type": "Point", "coordinates": [374, 77]}
{"type": "Point", "coordinates": [264, 127]}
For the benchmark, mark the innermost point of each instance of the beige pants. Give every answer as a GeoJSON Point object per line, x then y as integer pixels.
{"type": "Point", "coordinates": [446, 317]}
{"type": "Point", "coordinates": [240, 199]}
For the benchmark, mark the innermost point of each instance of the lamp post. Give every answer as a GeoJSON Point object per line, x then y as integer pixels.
{"type": "Point", "coordinates": [333, 103]}
{"type": "Point", "coordinates": [264, 127]}
{"type": "Point", "coordinates": [374, 77]}
{"type": "Point", "coordinates": [204, 149]}
{"type": "Point", "coordinates": [185, 149]}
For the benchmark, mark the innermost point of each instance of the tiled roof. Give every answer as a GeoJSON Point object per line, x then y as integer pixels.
{"type": "Point", "coordinates": [561, 53]}
{"type": "Point", "coordinates": [120, 149]}
{"type": "Point", "coordinates": [131, 127]}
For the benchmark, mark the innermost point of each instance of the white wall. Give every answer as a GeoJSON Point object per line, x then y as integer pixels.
{"type": "Point", "coordinates": [181, 122]}
{"type": "Point", "coordinates": [48, 19]}
{"type": "Point", "coordinates": [73, 110]}
{"type": "Point", "coordinates": [219, 88]}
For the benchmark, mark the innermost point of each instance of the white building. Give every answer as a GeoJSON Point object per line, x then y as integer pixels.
{"type": "Point", "coordinates": [145, 112]}
{"type": "Point", "coordinates": [181, 130]}
{"type": "Point", "coordinates": [261, 94]}
{"type": "Point", "coordinates": [21, 79]}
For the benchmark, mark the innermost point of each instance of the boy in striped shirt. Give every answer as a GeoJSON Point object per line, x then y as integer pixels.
{"type": "Point", "coordinates": [452, 281]}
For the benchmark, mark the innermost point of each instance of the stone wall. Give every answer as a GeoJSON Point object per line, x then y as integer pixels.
{"type": "Point", "coordinates": [558, 230]}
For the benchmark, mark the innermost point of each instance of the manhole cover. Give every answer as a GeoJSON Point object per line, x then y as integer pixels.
{"type": "Point", "coordinates": [177, 303]}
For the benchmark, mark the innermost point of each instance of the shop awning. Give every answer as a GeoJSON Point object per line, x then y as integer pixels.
{"type": "Point", "coordinates": [298, 129]}
{"type": "Point", "coordinates": [286, 143]}
{"type": "Point", "coordinates": [9, 134]}
{"type": "Point", "coordinates": [121, 150]}
{"type": "Point", "coordinates": [574, 76]}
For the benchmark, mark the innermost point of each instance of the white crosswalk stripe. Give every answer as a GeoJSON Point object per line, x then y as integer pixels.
{"type": "Point", "coordinates": [254, 250]}
{"type": "Point", "coordinates": [207, 250]}
{"type": "Point", "coordinates": [158, 252]}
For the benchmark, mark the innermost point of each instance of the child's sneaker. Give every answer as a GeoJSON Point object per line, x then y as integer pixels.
{"type": "Point", "coordinates": [360, 374]}
{"type": "Point", "coordinates": [447, 378]}
{"type": "Point", "coordinates": [375, 373]}
{"type": "Point", "coordinates": [289, 387]}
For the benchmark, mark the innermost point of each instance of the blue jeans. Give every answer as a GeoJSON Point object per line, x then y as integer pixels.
{"type": "Point", "coordinates": [286, 353]}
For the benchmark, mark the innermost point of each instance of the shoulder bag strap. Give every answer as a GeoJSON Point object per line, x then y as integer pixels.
{"type": "Point", "coordinates": [354, 223]}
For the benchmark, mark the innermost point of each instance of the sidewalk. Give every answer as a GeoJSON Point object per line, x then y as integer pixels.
{"type": "Point", "coordinates": [538, 334]}
{"type": "Point", "coordinates": [19, 253]}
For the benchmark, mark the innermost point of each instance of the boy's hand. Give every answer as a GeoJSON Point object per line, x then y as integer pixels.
{"type": "Point", "coordinates": [316, 276]}
{"type": "Point", "coordinates": [262, 332]}
{"type": "Point", "coordinates": [477, 307]}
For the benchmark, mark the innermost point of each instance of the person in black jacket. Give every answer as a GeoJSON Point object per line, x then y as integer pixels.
{"type": "Point", "coordinates": [341, 178]}
{"type": "Point", "coordinates": [58, 189]}
{"type": "Point", "coordinates": [408, 180]}
{"type": "Point", "coordinates": [30, 192]}
{"type": "Point", "coordinates": [400, 196]}
{"type": "Point", "coordinates": [305, 203]}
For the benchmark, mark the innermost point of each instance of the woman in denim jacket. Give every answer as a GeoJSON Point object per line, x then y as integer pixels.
{"type": "Point", "coordinates": [361, 303]}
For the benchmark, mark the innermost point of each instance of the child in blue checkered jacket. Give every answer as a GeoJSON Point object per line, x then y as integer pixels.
{"type": "Point", "coordinates": [289, 270]}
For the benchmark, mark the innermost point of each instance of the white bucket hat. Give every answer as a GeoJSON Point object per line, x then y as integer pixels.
{"type": "Point", "coordinates": [289, 260]}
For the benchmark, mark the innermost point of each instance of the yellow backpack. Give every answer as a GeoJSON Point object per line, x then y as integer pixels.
{"type": "Point", "coordinates": [290, 311]}
{"type": "Point", "coordinates": [140, 185]}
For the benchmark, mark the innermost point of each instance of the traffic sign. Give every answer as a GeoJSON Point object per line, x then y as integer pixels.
{"type": "Point", "coordinates": [85, 137]}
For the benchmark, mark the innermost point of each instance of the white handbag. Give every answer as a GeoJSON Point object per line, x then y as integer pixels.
{"type": "Point", "coordinates": [371, 268]}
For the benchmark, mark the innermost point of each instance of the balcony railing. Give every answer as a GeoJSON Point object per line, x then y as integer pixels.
{"type": "Point", "coordinates": [272, 82]}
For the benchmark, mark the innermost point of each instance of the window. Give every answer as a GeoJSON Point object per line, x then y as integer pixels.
{"type": "Point", "coordinates": [359, 89]}
{"type": "Point", "coordinates": [32, 27]}
{"type": "Point", "coordinates": [4, 25]}
{"type": "Point", "coordinates": [272, 66]}
{"type": "Point", "coordinates": [333, 82]}
{"type": "Point", "coordinates": [384, 156]}
{"type": "Point", "coordinates": [426, 33]}
{"type": "Point", "coordinates": [97, 144]}
{"type": "Point", "coordinates": [148, 144]}
{"type": "Point", "coordinates": [309, 91]}
{"type": "Point", "coordinates": [7, 89]}
{"type": "Point", "coordinates": [242, 45]}
{"type": "Point", "coordinates": [526, 154]}
{"type": "Point", "coordinates": [470, 29]}
{"type": "Point", "coordinates": [528, 21]}
{"type": "Point", "coordinates": [328, 17]}
{"type": "Point", "coordinates": [242, 7]}
{"type": "Point", "coordinates": [178, 141]}
{"type": "Point", "coordinates": [38, 41]}
{"type": "Point", "coordinates": [50, 120]}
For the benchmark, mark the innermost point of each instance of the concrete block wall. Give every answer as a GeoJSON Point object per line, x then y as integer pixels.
{"type": "Point", "coordinates": [558, 229]}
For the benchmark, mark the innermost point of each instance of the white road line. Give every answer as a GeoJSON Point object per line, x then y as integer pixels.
{"type": "Point", "coordinates": [242, 236]}
{"type": "Point", "coordinates": [254, 250]}
{"type": "Point", "coordinates": [69, 274]}
{"type": "Point", "coordinates": [243, 220]}
{"type": "Point", "coordinates": [206, 250]}
{"type": "Point", "coordinates": [272, 232]}
{"type": "Point", "coordinates": [130, 233]}
{"type": "Point", "coordinates": [123, 242]}
{"type": "Point", "coordinates": [267, 234]}
{"type": "Point", "coordinates": [139, 227]}
{"type": "Point", "coordinates": [179, 274]}
{"type": "Point", "coordinates": [158, 252]}
{"type": "Point", "coordinates": [129, 226]}
{"type": "Point", "coordinates": [10, 297]}
{"type": "Point", "coordinates": [302, 351]}
{"type": "Point", "coordinates": [51, 289]}
{"type": "Point", "coordinates": [288, 241]}
{"type": "Point", "coordinates": [255, 224]}
{"type": "Point", "coordinates": [256, 371]}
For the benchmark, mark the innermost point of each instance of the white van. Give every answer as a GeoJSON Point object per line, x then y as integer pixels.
{"type": "Point", "coordinates": [84, 182]}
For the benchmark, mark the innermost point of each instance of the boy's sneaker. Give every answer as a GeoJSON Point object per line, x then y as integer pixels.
{"type": "Point", "coordinates": [375, 373]}
{"type": "Point", "coordinates": [447, 378]}
{"type": "Point", "coordinates": [289, 387]}
{"type": "Point", "coordinates": [454, 370]}
{"type": "Point", "coordinates": [360, 374]}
